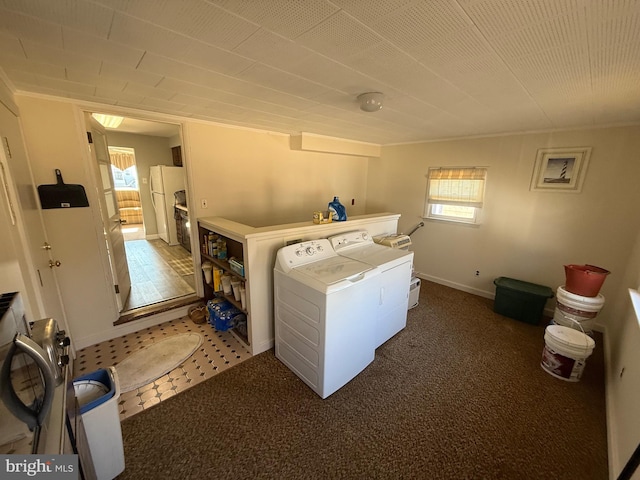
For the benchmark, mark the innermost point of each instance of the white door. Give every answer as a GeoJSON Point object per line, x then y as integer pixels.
{"type": "Point", "coordinates": [39, 263]}
{"type": "Point", "coordinates": [109, 210]}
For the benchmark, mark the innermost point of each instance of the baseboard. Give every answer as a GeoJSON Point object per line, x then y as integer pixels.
{"type": "Point", "coordinates": [153, 236]}
{"type": "Point", "coordinates": [457, 286]}
{"type": "Point", "coordinates": [465, 288]}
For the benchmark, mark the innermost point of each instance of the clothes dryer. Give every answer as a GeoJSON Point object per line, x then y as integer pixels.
{"type": "Point", "coordinates": [395, 265]}
{"type": "Point", "coordinates": [324, 314]}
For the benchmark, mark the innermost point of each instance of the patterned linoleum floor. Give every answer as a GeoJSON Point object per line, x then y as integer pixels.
{"type": "Point", "coordinates": [219, 351]}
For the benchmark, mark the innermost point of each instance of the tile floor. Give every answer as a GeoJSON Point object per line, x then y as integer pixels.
{"type": "Point", "coordinates": [158, 272]}
{"type": "Point", "coordinates": [219, 351]}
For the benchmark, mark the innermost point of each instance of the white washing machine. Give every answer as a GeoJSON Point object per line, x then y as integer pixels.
{"type": "Point", "coordinates": [395, 278]}
{"type": "Point", "coordinates": [324, 314]}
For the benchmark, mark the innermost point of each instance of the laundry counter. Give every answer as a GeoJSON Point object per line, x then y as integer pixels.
{"type": "Point", "coordinates": [258, 247]}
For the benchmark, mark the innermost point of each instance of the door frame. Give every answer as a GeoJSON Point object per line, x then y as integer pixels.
{"type": "Point", "coordinates": [79, 112]}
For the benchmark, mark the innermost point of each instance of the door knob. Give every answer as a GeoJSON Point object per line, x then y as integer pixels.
{"type": "Point", "coordinates": [54, 264]}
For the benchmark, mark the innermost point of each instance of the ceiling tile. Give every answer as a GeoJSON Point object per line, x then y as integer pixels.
{"type": "Point", "coordinates": [106, 50]}
{"type": "Point", "coordinates": [78, 14]}
{"type": "Point", "coordinates": [339, 37]}
{"type": "Point", "coordinates": [44, 54]}
{"type": "Point", "coordinates": [192, 18]}
{"type": "Point", "coordinates": [19, 63]}
{"type": "Point", "coordinates": [95, 80]}
{"type": "Point", "coordinates": [147, 91]}
{"type": "Point", "coordinates": [67, 86]}
{"type": "Point", "coordinates": [422, 23]}
{"type": "Point", "coordinates": [283, 81]}
{"type": "Point", "coordinates": [554, 33]}
{"type": "Point", "coordinates": [372, 11]}
{"type": "Point", "coordinates": [146, 36]}
{"type": "Point", "coordinates": [11, 45]}
{"type": "Point", "coordinates": [28, 28]}
{"type": "Point", "coordinates": [272, 49]}
{"type": "Point", "coordinates": [494, 18]}
{"type": "Point", "coordinates": [290, 19]}
{"type": "Point", "coordinates": [118, 96]}
{"type": "Point", "coordinates": [120, 72]}
{"type": "Point", "coordinates": [171, 68]}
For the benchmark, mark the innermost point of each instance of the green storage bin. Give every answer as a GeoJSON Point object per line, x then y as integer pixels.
{"type": "Point", "coordinates": [520, 300]}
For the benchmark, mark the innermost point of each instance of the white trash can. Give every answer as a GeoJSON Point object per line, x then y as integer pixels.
{"type": "Point", "coordinates": [98, 394]}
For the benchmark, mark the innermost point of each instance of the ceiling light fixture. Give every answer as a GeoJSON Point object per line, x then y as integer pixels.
{"type": "Point", "coordinates": [371, 101]}
{"type": "Point", "coordinates": [108, 121]}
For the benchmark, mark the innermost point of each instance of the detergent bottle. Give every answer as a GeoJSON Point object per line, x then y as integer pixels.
{"type": "Point", "coordinates": [337, 210]}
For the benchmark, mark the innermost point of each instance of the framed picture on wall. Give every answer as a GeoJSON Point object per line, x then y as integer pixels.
{"type": "Point", "coordinates": [560, 169]}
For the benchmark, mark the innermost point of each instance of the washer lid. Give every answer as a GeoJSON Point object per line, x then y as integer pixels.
{"type": "Point", "coordinates": [332, 270]}
{"type": "Point", "coordinates": [378, 255]}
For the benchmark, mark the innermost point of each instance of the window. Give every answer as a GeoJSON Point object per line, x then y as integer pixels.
{"type": "Point", "coordinates": [123, 167]}
{"type": "Point", "coordinates": [455, 194]}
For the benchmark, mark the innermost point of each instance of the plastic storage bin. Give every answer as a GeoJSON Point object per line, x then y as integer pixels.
{"type": "Point", "coordinates": [98, 394]}
{"type": "Point", "coordinates": [520, 300]}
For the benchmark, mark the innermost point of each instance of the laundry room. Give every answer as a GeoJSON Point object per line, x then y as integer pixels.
{"type": "Point", "coordinates": [273, 127]}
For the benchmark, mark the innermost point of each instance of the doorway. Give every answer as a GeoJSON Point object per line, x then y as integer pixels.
{"type": "Point", "coordinates": [160, 267]}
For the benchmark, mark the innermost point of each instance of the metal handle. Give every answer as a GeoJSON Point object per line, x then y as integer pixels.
{"type": "Point", "coordinates": [32, 415]}
{"type": "Point", "coordinates": [55, 263]}
{"type": "Point", "coordinates": [46, 246]}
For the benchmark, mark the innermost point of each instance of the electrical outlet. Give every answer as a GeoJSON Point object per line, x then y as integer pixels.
{"type": "Point", "coordinates": [477, 273]}
{"type": "Point", "coordinates": [204, 203]}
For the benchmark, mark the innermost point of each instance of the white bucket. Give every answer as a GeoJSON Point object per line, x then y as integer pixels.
{"type": "Point", "coordinates": [566, 320]}
{"type": "Point", "coordinates": [578, 306]}
{"type": "Point", "coordinates": [565, 352]}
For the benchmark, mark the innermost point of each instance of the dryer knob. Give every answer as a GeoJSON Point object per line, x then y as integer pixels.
{"type": "Point", "coordinates": [365, 236]}
{"type": "Point", "coordinates": [320, 248]}
{"type": "Point", "coordinates": [310, 251]}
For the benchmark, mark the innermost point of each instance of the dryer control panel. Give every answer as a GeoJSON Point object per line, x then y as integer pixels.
{"type": "Point", "coordinates": [357, 238]}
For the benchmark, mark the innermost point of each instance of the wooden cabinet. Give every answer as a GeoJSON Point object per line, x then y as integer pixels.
{"type": "Point", "coordinates": [176, 153]}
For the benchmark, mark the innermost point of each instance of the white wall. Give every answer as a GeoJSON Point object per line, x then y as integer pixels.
{"type": "Point", "coordinates": [524, 234]}
{"type": "Point", "coordinates": [255, 178]}
{"type": "Point", "coordinates": [531, 235]}
{"type": "Point", "coordinates": [11, 279]}
{"type": "Point", "coordinates": [55, 139]}
{"type": "Point", "coordinates": [247, 176]}
{"type": "Point", "coordinates": [149, 151]}
{"type": "Point", "coordinates": [623, 368]}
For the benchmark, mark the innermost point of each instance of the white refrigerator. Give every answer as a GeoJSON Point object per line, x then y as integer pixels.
{"type": "Point", "coordinates": [165, 180]}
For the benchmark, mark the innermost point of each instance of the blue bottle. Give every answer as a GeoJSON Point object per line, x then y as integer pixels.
{"type": "Point", "coordinates": [337, 210]}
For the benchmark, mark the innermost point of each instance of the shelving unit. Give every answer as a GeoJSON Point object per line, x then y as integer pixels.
{"type": "Point", "coordinates": [257, 247]}
{"type": "Point", "coordinates": [235, 249]}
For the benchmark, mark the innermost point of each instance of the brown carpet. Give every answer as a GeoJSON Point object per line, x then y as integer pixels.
{"type": "Point", "coordinates": [458, 394]}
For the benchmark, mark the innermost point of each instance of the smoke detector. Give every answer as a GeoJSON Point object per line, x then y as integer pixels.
{"type": "Point", "coordinates": [371, 101]}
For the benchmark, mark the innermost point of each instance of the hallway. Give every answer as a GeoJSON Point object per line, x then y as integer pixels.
{"type": "Point", "coordinates": [158, 272]}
